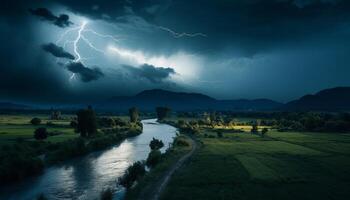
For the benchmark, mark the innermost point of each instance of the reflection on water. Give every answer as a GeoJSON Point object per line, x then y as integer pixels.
{"type": "Point", "coordinates": [85, 177]}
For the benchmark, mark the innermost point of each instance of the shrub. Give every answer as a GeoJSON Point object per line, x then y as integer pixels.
{"type": "Point", "coordinates": [153, 158]}
{"type": "Point", "coordinates": [264, 131]}
{"type": "Point", "coordinates": [40, 133]}
{"type": "Point", "coordinates": [132, 174]}
{"type": "Point", "coordinates": [182, 142]}
{"type": "Point", "coordinates": [35, 121]}
{"type": "Point", "coordinates": [74, 124]}
{"type": "Point", "coordinates": [107, 194]}
{"type": "Point", "coordinates": [106, 122]}
{"type": "Point", "coordinates": [120, 122]}
{"type": "Point", "coordinates": [156, 144]}
{"type": "Point", "coordinates": [17, 162]}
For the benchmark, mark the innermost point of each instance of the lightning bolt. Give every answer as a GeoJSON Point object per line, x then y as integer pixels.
{"type": "Point", "coordinates": [80, 30]}
{"type": "Point", "coordinates": [180, 35]}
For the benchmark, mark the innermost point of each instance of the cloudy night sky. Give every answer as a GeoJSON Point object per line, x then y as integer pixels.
{"type": "Point", "coordinates": [77, 51]}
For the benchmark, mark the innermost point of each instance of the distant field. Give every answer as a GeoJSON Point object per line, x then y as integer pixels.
{"type": "Point", "coordinates": [278, 166]}
{"type": "Point", "coordinates": [14, 127]}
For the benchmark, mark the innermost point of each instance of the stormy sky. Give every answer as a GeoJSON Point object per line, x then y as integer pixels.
{"type": "Point", "coordinates": [77, 51]}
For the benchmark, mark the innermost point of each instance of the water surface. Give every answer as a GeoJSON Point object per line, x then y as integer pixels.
{"type": "Point", "coordinates": [85, 177]}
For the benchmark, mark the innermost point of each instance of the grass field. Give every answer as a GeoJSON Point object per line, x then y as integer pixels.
{"type": "Point", "coordinates": [14, 127]}
{"type": "Point", "coordinates": [278, 166]}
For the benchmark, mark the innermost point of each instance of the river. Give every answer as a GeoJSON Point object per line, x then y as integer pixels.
{"type": "Point", "coordinates": [85, 177]}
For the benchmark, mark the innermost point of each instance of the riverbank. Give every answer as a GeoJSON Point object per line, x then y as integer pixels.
{"type": "Point", "coordinates": [23, 156]}
{"type": "Point", "coordinates": [84, 177]}
{"type": "Point", "coordinates": [153, 183]}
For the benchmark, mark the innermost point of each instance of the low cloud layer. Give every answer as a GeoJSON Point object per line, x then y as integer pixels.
{"type": "Point", "coordinates": [150, 72]}
{"type": "Point", "coordinates": [85, 74]}
{"type": "Point", "coordinates": [57, 51]}
{"type": "Point", "coordinates": [45, 14]}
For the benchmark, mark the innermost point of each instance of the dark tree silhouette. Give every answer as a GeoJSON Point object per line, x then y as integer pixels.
{"type": "Point", "coordinates": [162, 112]}
{"type": "Point", "coordinates": [264, 131]}
{"type": "Point", "coordinates": [153, 158]}
{"type": "Point", "coordinates": [87, 124]}
{"type": "Point", "coordinates": [254, 128]}
{"type": "Point", "coordinates": [133, 173]}
{"type": "Point", "coordinates": [40, 133]}
{"type": "Point", "coordinates": [134, 114]}
{"type": "Point", "coordinates": [156, 144]}
{"type": "Point", "coordinates": [35, 121]}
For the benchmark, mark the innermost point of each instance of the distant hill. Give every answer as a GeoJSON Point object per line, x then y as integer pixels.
{"type": "Point", "coordinates": [12, 106]}
{"type": "Point", "coordinates": [149, 99]}
{"type": "Point", "coordinates": [333, 99]}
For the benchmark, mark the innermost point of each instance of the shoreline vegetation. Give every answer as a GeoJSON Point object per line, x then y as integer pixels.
{"type": "Point", "coordinates": [146, 185]}
{"type": "Point", "coordinates": [26, 156]}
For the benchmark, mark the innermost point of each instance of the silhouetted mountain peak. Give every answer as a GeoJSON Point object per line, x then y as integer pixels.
{"type": "Point", "coordinates": [149, 99]}
{"type": "Point", "coordinates": [332, 99]}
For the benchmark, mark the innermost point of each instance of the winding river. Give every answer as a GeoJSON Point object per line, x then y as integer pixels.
{"type": "Point", "coordinates": [85, 177]}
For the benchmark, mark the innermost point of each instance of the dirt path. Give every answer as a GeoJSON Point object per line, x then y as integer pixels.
{"type": "Point", "coordinates": [164, 180]}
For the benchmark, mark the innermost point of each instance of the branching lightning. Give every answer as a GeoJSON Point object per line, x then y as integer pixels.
{"type": "Point", "coordinates": [80, 30]}
{"type": "Point", "coordinates": [180, 35]}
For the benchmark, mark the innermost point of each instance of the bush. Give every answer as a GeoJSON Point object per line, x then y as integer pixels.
{"type": "Point", "coordinates": [153, 158]}
{"type": "Point", "coordinates": [107, 194]}
{"type": "Point", "coordinates": [182, 142]}
{"type": "Point", "coordinates": [264, 131]}
{"type": "Point", "coordinates": [156, 144]}
{"type": "Point", "coordinates": [35, 121]}
{"type": "Point", "coordinates": [40, 133]}
{"type": "Point", "coordinates": [132, 174]}
{"type": "Point", "coordinates": [18, 162]}
{"type": "Point", "coordinates": [106, 122]}
{"type": "Point", "coordinates": [74, 124]}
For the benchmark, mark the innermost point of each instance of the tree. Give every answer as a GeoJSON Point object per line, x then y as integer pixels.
{"type": "Point", "coordinates": [40, 133]}
{"type": "Point", "coordinates": [153, 158]}
{"type": "Point", "coordinates": [162, 112]}
{"type": "Point", "coordinates": [254, 128]}
{"type": "Point", "coordinates": [35, 121]}
{"type": "Point", "coordinates": [87, 124]}
{"type": "Point", "coordinates": [132, 174]}
{"type": "Point", "coordinates": [156, 144]}
{"type": "Point", "coordinates": [264, 131]}
{"type": "Point", "coordinates": [134, 114]}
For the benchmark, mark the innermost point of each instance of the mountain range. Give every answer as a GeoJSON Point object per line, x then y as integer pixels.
{"type": "Point", "coordinates": [333, 99]}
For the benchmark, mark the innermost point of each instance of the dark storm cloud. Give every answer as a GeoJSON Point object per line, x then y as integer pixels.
{"type": "Point", "coordinates": [57, 51]}
{"type": "Point", "coordinates": [45, 14]}
{"type": "Point", "coordinates": [86, 74]}
{"type": "Point", "coordinates": [240, 28]}
{"type": "Point", "coordinates": [150, 72]}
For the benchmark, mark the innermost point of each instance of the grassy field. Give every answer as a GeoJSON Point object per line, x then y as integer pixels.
{"type": "Point", "coordinates": [15, 127]}
{"type": "Point", "coordinates": [278, 166]}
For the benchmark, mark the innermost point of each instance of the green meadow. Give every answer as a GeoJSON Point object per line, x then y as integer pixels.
{"type": "Point", "coordinates": [281, 165]}
{"type": "Point", "coordinates": [18, 127]}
